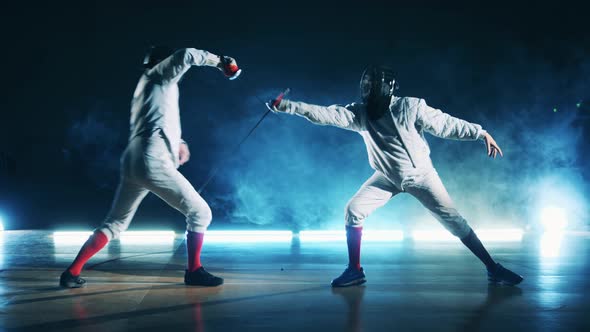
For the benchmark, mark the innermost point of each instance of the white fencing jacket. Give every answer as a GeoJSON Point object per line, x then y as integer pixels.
{"type": "Point", "coordinates": [388, 137]}
{"type": "Point", "coordinates": [155, 101]}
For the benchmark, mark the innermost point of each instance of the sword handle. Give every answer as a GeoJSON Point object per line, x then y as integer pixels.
{"type": "Point", "coordinates": [280, 97]}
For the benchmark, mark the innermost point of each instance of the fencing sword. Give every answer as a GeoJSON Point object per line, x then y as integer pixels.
{"type": "Point", "coordinates": [275, 103]}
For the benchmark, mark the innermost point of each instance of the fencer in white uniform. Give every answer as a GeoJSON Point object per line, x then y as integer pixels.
{"type": "Point", "coordinates": [151, 159]}
{"type": "Point", "coordinates": [393, 130]}
{"type": "Point", "coordinates": [150, 162]}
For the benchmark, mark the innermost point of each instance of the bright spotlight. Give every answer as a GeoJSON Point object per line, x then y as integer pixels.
{"type": "Point", "coordinates": [551, 244]}
{"type": "Point", "coordinates": [1, 224]}
{"type": "Point", "coordinates": [553, 219]}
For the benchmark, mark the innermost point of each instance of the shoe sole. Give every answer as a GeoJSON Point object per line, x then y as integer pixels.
{"type": "Point", "coordinates": [203, 285]}
{"type": "Point", "coordinates": [506, 283]}
{"type": "Point", "coordinates": [352, 283]}
{"type": "Point", "coordinates": [74, 285]}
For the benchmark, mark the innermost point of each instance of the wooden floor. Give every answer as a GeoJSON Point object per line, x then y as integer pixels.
{"type": "Point", "coordinates": [412, 286]}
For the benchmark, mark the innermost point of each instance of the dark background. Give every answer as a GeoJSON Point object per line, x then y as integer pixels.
{"type": "Point", "coordinates": [522, 71]}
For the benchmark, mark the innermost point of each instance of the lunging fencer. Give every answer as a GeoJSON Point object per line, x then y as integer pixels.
{"type": "Point", "coordinates": [150, 162]}
{"type": "Point", "coordinates": [393, 130]}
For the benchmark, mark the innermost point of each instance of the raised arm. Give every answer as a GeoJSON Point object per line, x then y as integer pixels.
{"type": "Point", "coordinates": [442, 125]}
{"type": "Point", "coordinates": [171, 69]}
{"type": "Point", "coordinates": [346, 117]}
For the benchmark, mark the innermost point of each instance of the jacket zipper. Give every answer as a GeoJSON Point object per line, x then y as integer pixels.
{"type": "Point", "coordinates": [402, 139]}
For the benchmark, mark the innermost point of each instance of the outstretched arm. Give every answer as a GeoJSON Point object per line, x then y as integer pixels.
{"type": "Point", "coordinates": [443, 125]}
{"type": "Point", "coordinates": [349, 117]}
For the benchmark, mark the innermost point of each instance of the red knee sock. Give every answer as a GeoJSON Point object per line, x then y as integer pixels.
{"type": "Point", "coordinates": [94, 243]}
{"type": "Point", "coordinates": [194, 243]}
{"type": "Point", "coordinates": [353, 240]}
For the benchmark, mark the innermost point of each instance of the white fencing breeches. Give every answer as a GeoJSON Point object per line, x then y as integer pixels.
{"type": "Point", "coordinates": [147, 166]}
{"type": "Point", "coordinates": [427, 188]}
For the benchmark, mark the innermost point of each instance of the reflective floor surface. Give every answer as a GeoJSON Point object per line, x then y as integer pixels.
{"type": "Point", "coordinates": [412, 286]}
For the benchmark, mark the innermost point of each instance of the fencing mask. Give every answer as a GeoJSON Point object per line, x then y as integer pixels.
{"type": "Point", "coordinates": [377, 86]}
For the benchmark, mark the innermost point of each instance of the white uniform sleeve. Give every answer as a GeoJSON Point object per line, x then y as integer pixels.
{"type": "Point", "coordinates": [172, 68]}
{"type": "Point", "coordinates": [346, 117]}
{"type": "Point", "coordinates": [442, 125]}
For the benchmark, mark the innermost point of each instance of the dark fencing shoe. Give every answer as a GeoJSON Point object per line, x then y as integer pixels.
{"type": "Point", "coordinates": [200, 277]}
{"type": "Point", "coordinates": [500, 274]}
{"type": "Point", "coordinates": [68, 280]}
{"type": "Point", "coordinates": [350, 277]}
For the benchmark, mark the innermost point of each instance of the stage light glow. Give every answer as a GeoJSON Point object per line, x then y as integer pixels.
{"type": "Point", "coordinates": [500, 235]}
{"type": "Point", "coordinates": [383, 235]}
{"type": "Point", "coordinates": [322, 236]}
{"type": "Point", "coordinates": [1, 224]}
{"type": "Point", "coordinates": [129, 237]}
{"type": "Point", "coordinates": [2, 250]}
{"type": "Point", "coordinates": [553, 219]}
{"type": "Point", "coordinates": [147, 237]}
{"type": "Point", "coordinates": [490, 235]}
{"type": "Point", "coordinates": [70, 238]}
{"type": "Point", "coordinates": [159, 237]}
{"type": "Point", "coordinates": [550, 244]}
{"type": "Point", "coordinates": [248, 236]}
{"type": "Point", "coordinates": [340, 235]}
{"type": "Point", "coordinates": [433, 236]}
